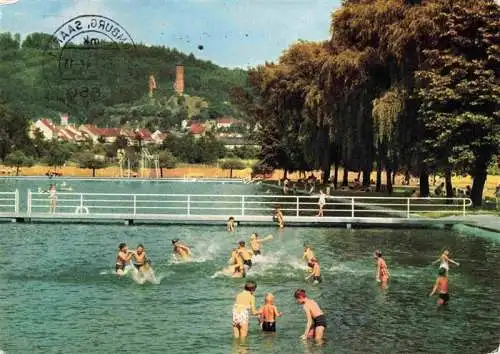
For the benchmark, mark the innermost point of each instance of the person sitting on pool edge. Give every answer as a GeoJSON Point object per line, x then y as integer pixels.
{"type": "Point", "coordinates": [382, 275]}
{"type": "Point", "coordinates": [183, 251]}
{"type": "Point", "coordinates": [316, 272]}
{"type": "Point", "coordinates": [268, 314]}
{"type": "Point", "coordinates": [316, 321]}
{"type": "Point", "coordinates": [442, 285]}
{"type": "Point", "coordinates": [244, 304]}
{"type": "Point", "coordinates": [141, 261]}
{"type": "Point", "coordinates": [246, 255]}
{"type": "Point", "coordinates": [231, 224]}
{"type": "Point", "coordinates": [122, 258]}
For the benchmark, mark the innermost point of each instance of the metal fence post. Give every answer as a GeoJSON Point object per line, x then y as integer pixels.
{"type": "Point", "coordinates": [189, 204]}
{"type": "Point", "coordinates": [29, 201]}
{"type": "Point", "coordinates": [81, 203]}
{"type": "Point", "coordinates": [298, 207]}
{"type": "Point", "coordinates": [135, 204]}
{"type": "Point", "coordinates": [463, 202]}
{"type": "Point", "coordinates": [352, 207]}
{"type": "Point", "coordinates": [242, 205]}
{"type": "Point", "coordinates": [16, 206]}
{"type": "Point", "coordinates": [408, 208]}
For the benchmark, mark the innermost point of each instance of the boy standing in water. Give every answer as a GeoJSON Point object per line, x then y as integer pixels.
{"type": "Point", "coordinates": [255, 242]}
{"type": "Point", "coordinates": [141, 261]}
{"type": "Point", "coordinates": [244, 304]}
{"type": "Point", "coordinates": [316, 321]}
{"type": "Point", "coordinates": [382, 275]}
{"type": "Point", "coordinates": [122, 258]}
{"type": "Point", "coordinates": [230, 224]}
{"type": "Point", "coordinates": [268, 314]}
{"type": "Point", "coordinates": [445, 260]}
{"type": "Point", "coordinates": [442, 285]}
{"type": "Point", "coordinates": [308, 256]}
{"type": "Point", "coordinates": [316, 272]}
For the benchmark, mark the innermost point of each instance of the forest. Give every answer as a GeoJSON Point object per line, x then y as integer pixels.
{"type": "Point", "coordinates": [402, 86]}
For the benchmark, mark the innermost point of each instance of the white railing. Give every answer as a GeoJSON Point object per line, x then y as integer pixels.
{"type": "Point", "coordinates": [241, 205]}
{"type": "Point", "coordinates": [9, 202]}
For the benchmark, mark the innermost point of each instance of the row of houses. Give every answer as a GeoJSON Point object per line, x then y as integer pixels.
{"type": "Point", "coordinates": [85, 132]}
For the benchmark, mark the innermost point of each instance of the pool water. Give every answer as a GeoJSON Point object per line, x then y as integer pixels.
{"type": "Point", "coordinates": [58, 293]}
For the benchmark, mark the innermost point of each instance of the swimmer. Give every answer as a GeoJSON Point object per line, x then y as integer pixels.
{"type": "Point", "coordinates": [236, 268]}
{"type": "Point", "coordinates": [122, 258]}
{"type": "Point", "coordinates": [308, 255]}
{"type": "Point", "coordinates": [231, 224]}
{"type": "Point", "coordinates": [278, 215]}
{"type": "Point", "coordinates": [183, 251]}
{"type": "Point", "coordinates": [445, 260]}
{"type": "Point", "coordinates": [316, 272]}
{"type": "Point", "coordinates": [141, 261]}
{"type": "Point", "coordinates": [255, 242]}
{"type": "Point", "coordinates": [442, 285]}
{"type": "Point", "coordinates": [316, 321]}
{"type": "Point", "coordinates": [244, 304]}
{"type": "Point", "coordinates": [382, 275]}
{"type": "Point", "coordinates": [246, 255]}
{"type": "Point", "coordinates": [268, 314]}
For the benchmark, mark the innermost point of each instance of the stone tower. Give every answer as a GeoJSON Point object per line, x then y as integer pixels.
{"type": "Point", "coordinates": [179, 79]}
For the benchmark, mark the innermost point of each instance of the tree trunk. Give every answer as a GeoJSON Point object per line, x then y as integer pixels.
{"type": "Point", "coordinates": [17, 170]}
{"type": "Point", "coordinates": [389, 180]}
{"type": "Point", "coordinates": [394, 178]}
{"type": "Point", "coordinates": [285, 173]}
{"type": "Point", "coordinates": [366, 177]}
{"type": "Point", "coordinates": [345, 178]}
{"type": "Point", "coordinates": [449, 186]}
{"type": "Point", "coordinates": [93, 172]}
{"type": "Point", "coordinates": [231, 173]}
{"type": "Point", "coordinates": [359, 175]}
{"type": "Point", "coordinates": [379, 176]}
{"type": "Point", "coordinates": [161, 172]}
{"type": "Point", "coordinates": [326, 173]}
{"type": "Point", "coordinates": [424, 183]}
{"type": "Point", "coordinates": [476, 194]}
{"type": "Point", "coordinates": [336, 175]}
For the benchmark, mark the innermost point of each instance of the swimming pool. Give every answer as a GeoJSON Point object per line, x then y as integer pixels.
{"type": "Point", "coordinates": [59, 295]}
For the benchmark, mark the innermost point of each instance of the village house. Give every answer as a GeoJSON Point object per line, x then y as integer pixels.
{"type": "Point", "coordinates": [224, 122]}
{"type": "Point", "coordinates": [197, 129]}
{"type": "Point", "coordinates": [158, 137]}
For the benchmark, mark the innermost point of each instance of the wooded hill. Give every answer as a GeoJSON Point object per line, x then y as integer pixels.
{"type": "Point", "coordinates": [42, 80]}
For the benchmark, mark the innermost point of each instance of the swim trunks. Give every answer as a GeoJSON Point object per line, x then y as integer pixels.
{"type": "Point", "coordinates": [310, 265]}
{"type": "Point", "coordinates": [256, 252]}
{"type": "Point", "coordinates": [269, 326]}
{"type": "Point", "coordinates": [445, 297]}
{"type": "Point", "coordinates": [240, 317]}
{"type": "Point", "coordinates": [319, 321]}
{"type": "Point", "coordinates": [138, 266]}
{"type": "Point", "coordinates": [317, 278]}
{"type": "Point", "coordinates": [119, 266]}
{"type": "Point", "coordinates": [248, 263]}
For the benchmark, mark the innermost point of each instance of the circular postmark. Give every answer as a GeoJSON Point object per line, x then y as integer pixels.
{"type": "Point", "coordinates": [85, 59]}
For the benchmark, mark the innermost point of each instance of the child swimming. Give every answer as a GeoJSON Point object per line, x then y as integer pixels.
{"type": "Point", "coordinates": [122, 258]}
{"type": "Point", "coordinates": [243, 306]}
{"type": "Point", "coordinates": [141, 261]}
{"type": "Point", "coordinates": [236, 268]}
{"type": "Point", "coordinates": [255, 242]}
{"type": "Point", "coordinates": [268, 314]}
{"type": "Point", "coordinates": [246, 255]}
{"type": "Point", "coordinates": [441, 285]}
{"type": "Point", "coordinates": [308, 255]}
{"type": "Point", "coordinates": [445, 260]}
{"type": "Point", "coordinates": [183, 251]}
{"type": "Point", "coordinates": [316, 321]}
{"type": "Point", "coordinates": [230, 224]}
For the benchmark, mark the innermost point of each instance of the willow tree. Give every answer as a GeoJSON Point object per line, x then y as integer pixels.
{"type": "Point", "coordinates": [386, 111]}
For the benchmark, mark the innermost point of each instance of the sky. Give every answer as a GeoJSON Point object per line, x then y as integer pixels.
{"type": "Point", "coordinates": [233, 33]}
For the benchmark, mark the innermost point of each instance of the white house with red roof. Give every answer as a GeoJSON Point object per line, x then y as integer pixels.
{"type": "Point", "coordinates": [46, 127]}
{"type": "Point", "coordinates": [158, 137]}
{"type": "Point", "coordinates": [225, 122]}
{"type": "Point", "coordinates": [197, 129]}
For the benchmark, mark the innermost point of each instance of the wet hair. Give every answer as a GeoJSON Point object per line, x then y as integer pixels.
{"type": "Point", "coordinates": [122, 245]}
{"type": "Point", "coordinates": [230, 218]}
{"type": "Point", "coordinates": [442, 272]}
{"type": "Point", "coordinates": [250, 286]}
{"type": "Point", "coordinates": [140, 245]}
{"type": "Point", "coordinates": [378, 253]}
{"type": "Point", "coordinates": [300, 294]}
{"type": "Point", "coordinates": [175, 241]}
{"type": "Point", "coordinates": [241, 243]}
